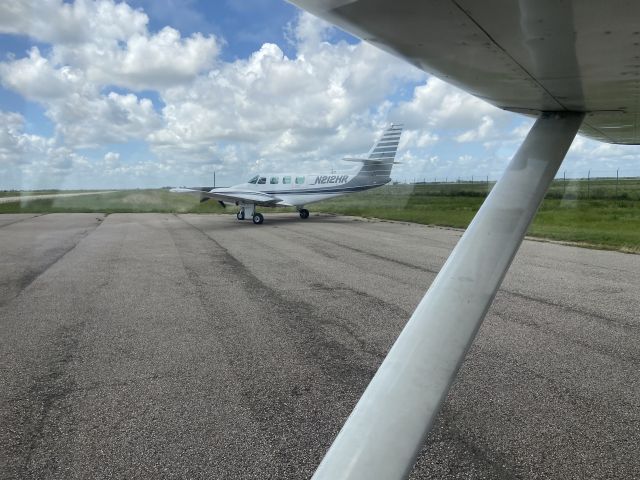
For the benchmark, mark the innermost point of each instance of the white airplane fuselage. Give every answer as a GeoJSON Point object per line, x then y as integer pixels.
{"type": "Point", "coordinates": [297, 190]}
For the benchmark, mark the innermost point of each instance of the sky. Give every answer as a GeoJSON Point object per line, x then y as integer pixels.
{"type": "Point", "coordinates": [151, 93]}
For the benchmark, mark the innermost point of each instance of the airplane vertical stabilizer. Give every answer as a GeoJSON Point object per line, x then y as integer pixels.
{"type": "Point", "coordinates": [382, 156]}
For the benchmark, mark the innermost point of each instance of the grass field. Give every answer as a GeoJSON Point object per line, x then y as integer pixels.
{"type": "Point", "coordinates": [25, 193]}
{"type": "Point", "coordinates": [601, 213]}
{"type": "Point", "coordinates": [123, 201]}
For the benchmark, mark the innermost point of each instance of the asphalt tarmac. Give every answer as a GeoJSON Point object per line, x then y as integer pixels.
{"type": "Point", "coordinates": [197, 346]}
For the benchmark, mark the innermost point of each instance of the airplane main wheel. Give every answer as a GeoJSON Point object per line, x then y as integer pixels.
{"type": "Point", "coordinates": [304, 213]}
{"type": "Point", "coordinates": [258, 218]}
{"type": "Point", "coordinates": [240, 215]}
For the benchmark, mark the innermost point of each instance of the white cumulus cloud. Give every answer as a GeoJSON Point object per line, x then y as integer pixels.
{"type": "Point", "coordinates": [106, 81]}
{"type": "Point", "coordinates": [63, 23]}
{"type": "Point", "coordinates": [16, 146]}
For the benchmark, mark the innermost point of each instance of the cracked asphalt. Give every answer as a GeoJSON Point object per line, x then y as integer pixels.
{"type": "Point", "coordinates": [197, 346]}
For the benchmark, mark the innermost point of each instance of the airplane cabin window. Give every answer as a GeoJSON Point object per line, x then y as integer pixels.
{"type": "Point", "coordinates": [262, 180]}
{"type": "Point", "coordinates": [273, 180]}
{"type": "Point", "coordinates": [299, 180]}
{"type": "Point", "coordinates": [254, 179]}
{"type": "Point", "coordinates": [286, 180]}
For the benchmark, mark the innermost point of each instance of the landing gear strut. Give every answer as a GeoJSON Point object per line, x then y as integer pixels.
{"type": "Point", "coordinates": [248, 210]}
{"type": "Point", "coordinates": [426, 356]}
{"type": "Point", "coordinates": [304, 213]}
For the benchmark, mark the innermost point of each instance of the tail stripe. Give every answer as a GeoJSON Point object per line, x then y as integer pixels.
{"type": "Point", "coordinates": [385, 149]}
{"type": "Point", "coordinates": [387, 146]}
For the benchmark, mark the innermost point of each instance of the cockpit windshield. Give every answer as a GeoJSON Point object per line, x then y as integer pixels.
{"type": "Point", "coordinates": [254, 179]}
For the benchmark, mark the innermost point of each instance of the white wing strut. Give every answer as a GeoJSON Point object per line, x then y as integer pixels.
{"type": "Point", "coordinates": [384, 434]}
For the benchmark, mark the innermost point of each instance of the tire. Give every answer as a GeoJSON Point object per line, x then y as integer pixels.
{"type": "Point", "coordinates": [258, 218]}
{"type": "Point", "coordinates": [304, 213]}
{"type": "Point", "coordinates": [240, 215]}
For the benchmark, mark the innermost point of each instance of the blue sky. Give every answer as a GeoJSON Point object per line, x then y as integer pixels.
{"type": "Point", "coordinates": [245, 25]}
{"type": "Point", "coordinates": [104, 94]}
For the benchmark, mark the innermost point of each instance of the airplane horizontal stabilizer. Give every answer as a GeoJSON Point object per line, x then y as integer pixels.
{"type": "Point", "coordinates": [362, 160]}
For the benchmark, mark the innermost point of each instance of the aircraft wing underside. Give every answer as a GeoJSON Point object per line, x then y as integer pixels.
{"type": "Point", "coordinates": [526, 56]}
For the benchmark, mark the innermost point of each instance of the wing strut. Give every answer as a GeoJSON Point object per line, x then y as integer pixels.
{"type": "Point", "coordinates": [384, 434]}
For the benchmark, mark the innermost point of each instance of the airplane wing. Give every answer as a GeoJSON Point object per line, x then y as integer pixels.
{"type": "Point", "coordinates": [233, 196]}
{"type": "Point", "coordinates": [527, 56]}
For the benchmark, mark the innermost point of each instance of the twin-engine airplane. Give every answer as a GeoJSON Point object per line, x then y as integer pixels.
{"type": "Point", "coordinates": [298, 190]}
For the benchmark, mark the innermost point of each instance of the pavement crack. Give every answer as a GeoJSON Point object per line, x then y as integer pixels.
{"type": "Point", "coordinates": [33, 275]}
{"type": "Point", "coordinates": [50, 388]}
{"type": "Point", "coordinates": [451, 432]}
{"type": "Point", "coordinates": [369, 254]}
{"type": "Point", "coordinates": [22, 220]}
{"type": "Point", "coordinates": [299, 315]}
{"type": "Point", "coordinates": [569, 308]}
